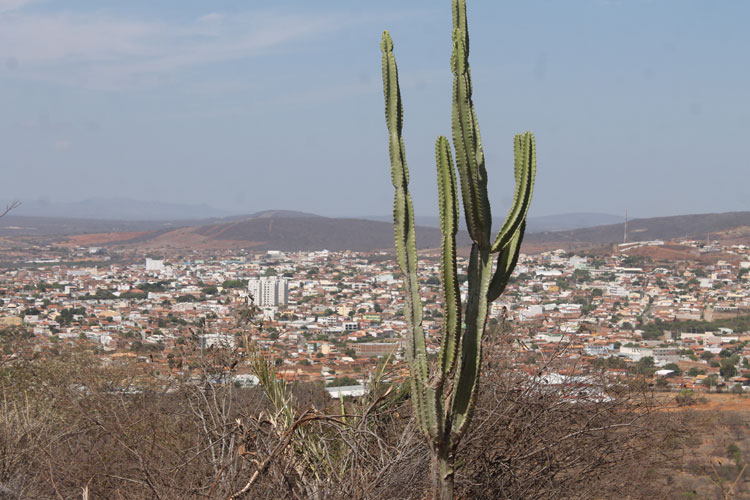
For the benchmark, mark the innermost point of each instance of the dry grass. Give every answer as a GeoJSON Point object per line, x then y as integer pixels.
{"type": "Point", "coordinates": [67, 426]}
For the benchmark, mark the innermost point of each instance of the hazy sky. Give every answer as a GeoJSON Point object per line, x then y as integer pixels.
{"type": "Point", "coordinates": [251, 105]}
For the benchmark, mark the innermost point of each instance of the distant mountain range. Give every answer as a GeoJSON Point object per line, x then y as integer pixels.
{"type": "Point", "coordinates": [15, 224]}
{"type": "Point", "coordinates": [697, 226]}
{"type": "Point", "coordinates": [119, 209]}
{"type": "Point", "coordinates": [134, 213]}
{"type": "Point", "coordinates": [534, 224]}
{"type": "Point", "coordinates": [292, 231]}
{"type": "Point", "coordinates": [22, 225]}
{"type": "Point", "coordinates": [267, 231]}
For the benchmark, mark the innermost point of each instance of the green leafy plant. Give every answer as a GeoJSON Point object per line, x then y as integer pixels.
{"type": "Point", "coordinates": [444, 394]}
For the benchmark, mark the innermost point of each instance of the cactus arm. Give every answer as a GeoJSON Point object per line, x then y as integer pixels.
{"type": "Point", "coordinates": [460, 21]}
{"type": "Point", "coordinates": [469, 153]}
{"type": "Point", "coordinates": [466, 138]}
{"type": "Point", "coordinates": [405, 240]}
{"type": "Point", "coordinates": [462, 158]}
{"type": "Point", "coordinates": [505, 264]}
{"type": "Point", "coordinates": [448, 197]}
{"type": "Point", "coordinates": [403, 211]}
{"type": "Point", "coordinates": [524, 149]}
{"type": "Point", "coordinates": [467, 373]}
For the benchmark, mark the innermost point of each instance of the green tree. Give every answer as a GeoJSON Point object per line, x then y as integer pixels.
{"type": "Point", "coordinates": [234, 284]}
{"type": "Point", "coordinates": [645, 366]}
{"type": "Point", "coordinates": [707, 356]}
{"type": "Point", "coordinates": [581, 276]}
{"type": "Point", "coordinates": [676, 369]}
{"type": "Point", "coordinates": [727, 369]}
{"type": "Point", "coordinates": [685, 397]}
{"type": "Point", "coordinates": [342, 382]}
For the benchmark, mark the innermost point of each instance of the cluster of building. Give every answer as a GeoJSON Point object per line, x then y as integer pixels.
{"type": "Point", "coordinates": [325, 316]}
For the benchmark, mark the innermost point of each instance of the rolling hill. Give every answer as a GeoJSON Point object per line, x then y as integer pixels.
{"type": "Point", "coordinates": [269, 231]}
{"type": "Point", "coordinates": [697, 226]}
{"type": "Point", "coordinates": [538, 224]}
{"type": "Point", "coordinates": [24, 225]}
{"type": "Point", "coordinates": [294, 231]}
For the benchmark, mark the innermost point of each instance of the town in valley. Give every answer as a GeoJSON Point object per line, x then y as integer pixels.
{"type": "Point", "coordinates": [331, 317]}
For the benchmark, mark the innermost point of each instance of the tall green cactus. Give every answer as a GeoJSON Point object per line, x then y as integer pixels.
{"type": "Point", "coordinates": [444, 394]}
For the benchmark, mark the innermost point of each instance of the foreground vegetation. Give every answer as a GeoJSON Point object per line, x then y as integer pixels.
{"type": "Point", "coordinates": [71, 428]}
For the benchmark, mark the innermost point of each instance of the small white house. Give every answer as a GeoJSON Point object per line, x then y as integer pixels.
{"type": "Point", "coordinates": [354, 391]}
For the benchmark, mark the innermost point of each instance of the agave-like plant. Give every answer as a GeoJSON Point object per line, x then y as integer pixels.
{"type": "Point", "coordinates": [444, 394]}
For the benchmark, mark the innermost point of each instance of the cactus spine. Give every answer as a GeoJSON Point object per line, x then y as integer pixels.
{"type": "Point", "coordinates": [444, 395]}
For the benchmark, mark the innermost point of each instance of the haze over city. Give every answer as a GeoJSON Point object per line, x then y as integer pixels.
{"type": "Point", "coordinates": [246, 106]}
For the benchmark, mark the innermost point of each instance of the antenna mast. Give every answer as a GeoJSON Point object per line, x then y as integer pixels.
{"type": "Point", "coordinates": [625, 231]}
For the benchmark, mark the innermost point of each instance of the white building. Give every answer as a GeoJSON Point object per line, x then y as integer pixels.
{"type": "Point", "coordinates": [155, 265]}
{"type": "Point", "coordinates": [598, 350]}
{"type": "Point", "coordinates": [616, 291]}
{"type": "Point", "coordinates": [531, 312]}
{"type": "Point", "coordinates": [636, 353]}
{"type": "Point", "coordinates": [216, 340]}
{"type": "Point", "coordinates": [665, 355]}
{"type": "Point", "coordinates": [271, 291]}
{"type": "Point", "coordinates": [245, 380]}
{"type": "Point", "coordinates": [354, 391]}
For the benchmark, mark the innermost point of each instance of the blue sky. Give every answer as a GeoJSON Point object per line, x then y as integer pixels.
{"type": "Point", "coordinates": [636, 104]}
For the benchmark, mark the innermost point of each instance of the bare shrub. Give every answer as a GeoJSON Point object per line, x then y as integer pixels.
{"type": "Point", "coordinates": [547, 435]}
{"type": "Point", "coordinates": [69, 425]}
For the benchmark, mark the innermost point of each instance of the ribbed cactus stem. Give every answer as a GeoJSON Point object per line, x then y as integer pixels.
{"type": "Point", "coordinates": [448, 202]}
{"type": "Point", "coordinates": [524, 169]}
{"type": "Point", "coordinates": [403, 224]}
{"type": "Point", "coordinates": [445, 394]}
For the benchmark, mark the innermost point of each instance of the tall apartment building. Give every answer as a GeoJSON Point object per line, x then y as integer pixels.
{"type": "Point", "coordinates": [270, 291]}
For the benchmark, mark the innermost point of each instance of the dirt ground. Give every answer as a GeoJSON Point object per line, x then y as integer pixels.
{"type": "Point", "coordinates": [716, 449]}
